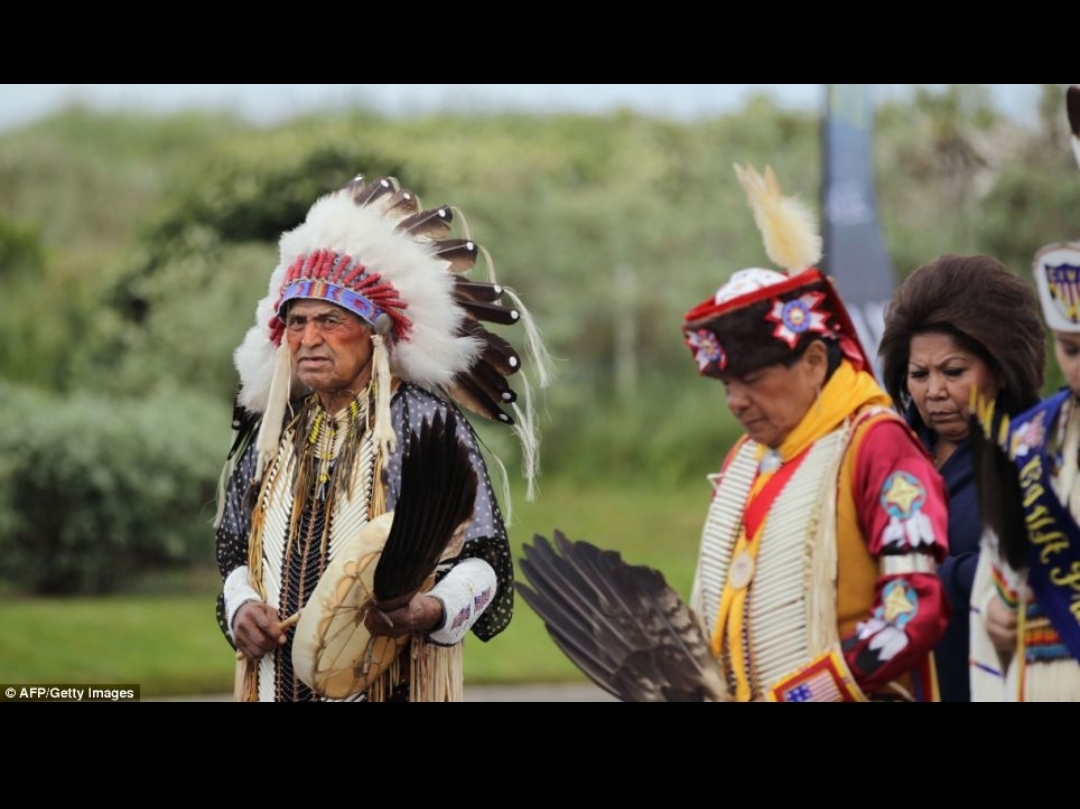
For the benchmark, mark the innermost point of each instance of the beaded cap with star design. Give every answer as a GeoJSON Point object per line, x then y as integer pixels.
{"type": "Point", "coordinates": [761, 317]}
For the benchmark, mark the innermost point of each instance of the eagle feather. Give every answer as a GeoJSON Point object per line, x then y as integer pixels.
{"type": "Point", "coordinates": [620, 624]}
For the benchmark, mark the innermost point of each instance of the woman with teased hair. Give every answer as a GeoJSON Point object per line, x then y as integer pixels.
{"type": "Point", "coordinates": [958, 322]}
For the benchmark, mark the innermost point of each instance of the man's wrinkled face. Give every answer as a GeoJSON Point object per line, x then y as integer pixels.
{"type": "Point", "coordinates": [770, 402]}
{"type": "Point", "coordinates": [330, 346]}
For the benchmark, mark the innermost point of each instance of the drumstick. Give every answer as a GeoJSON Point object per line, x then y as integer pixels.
{"type": "Point", "coordinates": [290, 621]}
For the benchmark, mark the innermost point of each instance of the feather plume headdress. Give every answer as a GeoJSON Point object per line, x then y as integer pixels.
{"type": "Point", "coordinates": [759, 316]}
{"type": "Point", "coordinates": [787, 225]}
{"type": "Point", "coordinates": [372, 248]}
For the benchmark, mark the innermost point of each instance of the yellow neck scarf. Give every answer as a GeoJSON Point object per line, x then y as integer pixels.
{"type": "Point", "coordinates": [846, 392]}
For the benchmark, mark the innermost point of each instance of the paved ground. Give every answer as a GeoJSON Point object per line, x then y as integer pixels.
{"type": "Point", "coordinates": [574, 692]}
{"type": "Point", "coordinates": [586, 692]}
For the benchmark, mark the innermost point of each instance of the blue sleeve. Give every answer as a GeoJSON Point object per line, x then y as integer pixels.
{"type": "Point", "coordinates": [958, 575]}
{"type": "Point", "coordinates": [957, 571]}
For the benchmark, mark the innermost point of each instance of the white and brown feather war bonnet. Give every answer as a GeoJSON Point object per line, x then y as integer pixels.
{"type": "Point", "coordinates": [372, 248]}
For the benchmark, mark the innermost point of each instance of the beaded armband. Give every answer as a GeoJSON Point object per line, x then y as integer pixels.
{"type": "Point", "coordinates": [238, 592]}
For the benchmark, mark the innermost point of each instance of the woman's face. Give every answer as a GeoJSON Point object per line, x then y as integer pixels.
{"type": "Point", "coordinates": [1067, 353]}
{"type": "Point", "coordinates": [770, 402]}
{"type": "Point", "coordinates": [940, 377]}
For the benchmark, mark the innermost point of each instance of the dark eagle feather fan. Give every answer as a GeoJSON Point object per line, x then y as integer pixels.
{"type": "Point", "coordinates": [438, 489]}
{"type": "Point", "coordinates": [621, 624]}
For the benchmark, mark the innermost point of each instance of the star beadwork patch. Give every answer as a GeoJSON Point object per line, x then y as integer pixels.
{"type": "Point", "coordinates": [902, 495]}
{"type": "Point", "coordinates": [796, 316]}
{"type": "Point", "coordinates": [899, 603]}
{"type": "Point", "coordinates": [707, 349]}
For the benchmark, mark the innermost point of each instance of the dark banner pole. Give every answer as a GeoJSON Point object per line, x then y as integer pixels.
{"type": "Point", "coordinates": [855, 254]}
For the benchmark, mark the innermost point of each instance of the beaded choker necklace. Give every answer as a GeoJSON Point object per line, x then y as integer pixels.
{"type": "Point", "coordinates": [324, 443]}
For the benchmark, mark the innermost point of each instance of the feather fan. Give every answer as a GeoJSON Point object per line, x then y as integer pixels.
{"type": "Point", "coordinates": [620, 624]}
{"type": "Point", "coordinates": [997, 482]}
{"type": "Point", "coordinates": [438, 489]}
{"type": "Point", "coordinates": [787, 225]}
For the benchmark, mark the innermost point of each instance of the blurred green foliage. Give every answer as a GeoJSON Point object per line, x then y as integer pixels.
{"type": "Point", "coordinates": [134, 248]}
{"type": "Point", "coordinates": [95, 491]}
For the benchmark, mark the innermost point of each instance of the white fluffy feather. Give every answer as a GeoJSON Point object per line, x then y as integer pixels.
{"type": "Point", "coordinates": [787, 225]}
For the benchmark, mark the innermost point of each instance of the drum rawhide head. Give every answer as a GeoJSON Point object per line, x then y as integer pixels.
{"type": "Point", "coordinates": [333, 652]}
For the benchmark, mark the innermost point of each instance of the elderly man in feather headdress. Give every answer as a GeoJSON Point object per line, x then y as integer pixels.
{"type": "Point", "coordinates": [339, 581]}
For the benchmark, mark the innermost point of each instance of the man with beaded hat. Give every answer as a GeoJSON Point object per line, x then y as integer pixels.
{"type": "Point", "coordinates": [369, 333]}
{"type": "Point", "coordinates": [816, 579]}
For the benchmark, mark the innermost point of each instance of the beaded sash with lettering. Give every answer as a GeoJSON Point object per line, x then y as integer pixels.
{"type": "Point", "coordinates": [1054, 556]}
{"type": "Point", "coordinates": [791, 614]}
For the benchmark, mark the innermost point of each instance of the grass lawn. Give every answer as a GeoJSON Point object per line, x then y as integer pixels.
{"type": "Point", "coordinates": [166, 639]}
